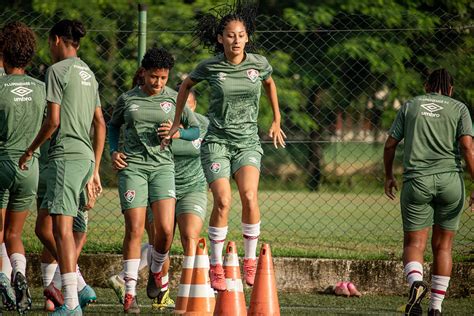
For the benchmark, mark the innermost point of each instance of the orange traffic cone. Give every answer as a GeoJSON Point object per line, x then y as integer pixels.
{"type": "Point", "coordinates": [231, 302]}
{"type": "Point", "coordinates": [186, 278]}
{"type": "Point", "coordinates": [201, 299]}
{"type": "Point", "coordinates": [264, 298]}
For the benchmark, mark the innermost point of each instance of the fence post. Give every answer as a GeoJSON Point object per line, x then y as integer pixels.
{"type": "Point", "coordinates": [142, 8]}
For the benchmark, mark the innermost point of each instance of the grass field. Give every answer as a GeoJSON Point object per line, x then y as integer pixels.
{"type": "Point", "coordinates": [290, 304]}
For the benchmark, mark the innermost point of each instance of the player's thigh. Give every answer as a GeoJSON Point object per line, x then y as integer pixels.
{"type": "Point", "coordinates": [133, 187]}
{"type": "Point", "coordinates": [449, 201]}
{"type": "Point", "coordinates": [215, 161]}
{"type": "Point", "coordinates": [416, 203]}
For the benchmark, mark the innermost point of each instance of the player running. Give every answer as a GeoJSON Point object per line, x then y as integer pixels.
{"type": "Point", "coordinates": [434, 127]}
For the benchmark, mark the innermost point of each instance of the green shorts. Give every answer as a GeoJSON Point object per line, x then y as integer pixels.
{"type": "Point", "coordinates": [82, 218]}
{"type": "Point", "coordinates": [18, 187]}
{"type": "Point", "coordinates": [434, 199]}
{"type": "Point", "coordinates": [188, 203]}
{"type": "Point", "coordinates": [66, 180]}
{"type": "Point", "coordinates": [140, 185]}
{"type": "Point", "coordinates": [223, 160]}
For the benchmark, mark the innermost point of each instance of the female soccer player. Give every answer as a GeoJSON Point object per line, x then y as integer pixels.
{"type": "Point", "coordinates": [434, 127]}
{"type": "Point", "coordinates": [146, 172]}
{"type": "Point", "coordinates": [231, 145]}
{"type": "Point", "coordinates": [22, 105]}
{"type": "Point", "coordinates": [73, 106]}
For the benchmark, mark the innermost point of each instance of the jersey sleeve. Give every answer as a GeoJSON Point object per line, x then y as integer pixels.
{"type": "Point", "coordinates": [200, 73]}
{"type": "Point", "coordinates": [188, 119]}
{"type": "Point", "coordinates": [397, 130]}
{"type": "Point", "coordinates": [54, 85]}
{"type": "Point", "coordinates": [266, 70]}
{"type": "Point", "coordinates": [465, 123]}
{"type": "Point", "coordinates": [117, 115]}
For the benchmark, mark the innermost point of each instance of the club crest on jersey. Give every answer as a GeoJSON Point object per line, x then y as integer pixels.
{"type": "Point", "coordinates": [197, 143]}
{"type": "Point", "coordinates": [253, 74]}
{"type": "Point", "coordinates": [129, 195]}
{"type": "Point", "coordinates": [166, 106]}
{"type": "Point", "coordinates": [215, 167]}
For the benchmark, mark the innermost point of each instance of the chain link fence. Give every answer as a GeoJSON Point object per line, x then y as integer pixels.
{"type": "Point", "coordinates": [340, 84]}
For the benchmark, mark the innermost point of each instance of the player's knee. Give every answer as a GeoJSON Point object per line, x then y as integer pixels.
{"type": "Point", "coordinates": [222, 204]}
{"type": "Point", "coordinates": [62, 233]}
{"type": "Point", "coordinates": [249, 198]}
{"type": "Point", "coordinates": [188, 241]}
{"type": "Point", "coordinates": [134, 232]}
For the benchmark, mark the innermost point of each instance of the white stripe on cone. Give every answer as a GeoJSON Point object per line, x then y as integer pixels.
{"type": "Point", "coordinates": [201, 262]}
{"type": "Point", "coordinates": [195, 290]}
{"type": "Point", "coordinates": [231, 260]}
{"type": "Point", "coordinates": [188, 262]}
{"type": "Point", "coordinates": [234, 285]}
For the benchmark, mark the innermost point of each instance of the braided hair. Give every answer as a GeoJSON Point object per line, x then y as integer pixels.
{"type": "Point", "coordinates": [439, 81]}
{"type": "Point", "coordinates": [213, 23]}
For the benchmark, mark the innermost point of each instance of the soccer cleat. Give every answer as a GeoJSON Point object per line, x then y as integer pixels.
{"type": "Point", "coordinates": [418, 291]}
{"type": "Point", "coordinates": [434, 312]}
{"type": "Point", "coordinates": [22, 293]}
{"type": "Point", "coordinates": [118, 285]}
{"type": "Point", "coordinates": [162, 301]}
{"type": "Point", "coordinates": [216, 274]}
{"type": "Point", "coordinates": [353, 290]}
{"type": "Point", "coordinates": [341, 289]}
{"type": "Point", "coordinates": [250, 268]}
{"type": "Point", "coordinates": [86, 296]}
{"type": "Point", "coordinates": [130, 305]}
{"type": "Point", "coordinates": [7, 292]}
{"type": "Point", "coordinates": [152, 290]}
{"type": "Point", "coordinates": [55, 295]}
{"type": "Point", "coordinates": [48, 305]}
{"type": "Point", "coordinates": [63, 311]}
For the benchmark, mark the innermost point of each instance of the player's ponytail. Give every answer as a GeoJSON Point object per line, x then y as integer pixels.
{"type": "Point", "coordinates": [440, 81]}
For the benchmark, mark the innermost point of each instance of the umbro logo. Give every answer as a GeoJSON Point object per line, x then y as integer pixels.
{"type": "Point", "coordinates": [21, 91]}
{"type": "Point", "coordinates": [432, 107]}
{"type": "Point", "coordinates": [84, 75]}
{"type": "Point", "coordinates": [133, 107]}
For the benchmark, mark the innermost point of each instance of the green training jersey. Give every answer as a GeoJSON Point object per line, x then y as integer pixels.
{"type": "Point", "coordinates": [142, 114]}
{"type": "Point", "coordinates": [189, 176]}
{"type": "Point", "coordinates": [71, 84]}
{"type": "Point", "coordinates": [431, 125]}
{"type": "Point", "coordinates": [22, 104]}
{"type": "Point", "coordinates": [235, 96]}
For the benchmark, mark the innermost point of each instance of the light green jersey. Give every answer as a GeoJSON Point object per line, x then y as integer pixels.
{"type": "Point", "coordinates": [431, 126]}
{"type": "Point", "coordinates": [142, 114]}
{"type": "Point", "coordinates": [22, 104]}
{"type": "Point", "coordinates": [189, 176]}
{"type": "Point", "coordinates": [235, 96]}
{"type": "Point", "coordinates": [71, 84]}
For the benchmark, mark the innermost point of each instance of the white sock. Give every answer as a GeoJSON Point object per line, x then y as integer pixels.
{"type": "Point", "coordinates": [69, 282]}
{"type": "Point", "coordinates": [130, 268]}
{"type": "Point", "coordinates": [164, 283]}
{"type": "Point", "coordinates": [144, 256]}
{"type": "Point", "coordinates": [47, 272]}
{"type": "Point", "coordinates": [439, 285]}
{"type": "Point", "coordinates": [57, 279]}
{"type": "Point", "coordinates": [217, 237]}
{"type": "Point", "coordinates": [250, 233]}
{"type": "Point", "coordinates": [81, 283]}
{"type": "Point", "coordinates": [6, 264]}
{"type": "Point", "coordinates": [148, 254]}
{"type": "Point", "coordinates": [121, 275]}
{"type": "Point", "coordinates": [18, 262]}
{"type": "Point", "coordinates": [158, 260]}
{"type": "Point", "coordinates": [413, 272]}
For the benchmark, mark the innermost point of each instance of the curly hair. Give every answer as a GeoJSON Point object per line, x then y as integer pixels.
{"type": "Point", "coordinates": [70, 31]}
{"type": "Point", "coordinates": [18, 44]}
{"type": "Point", "coordinates": [212, 24]}
{"type": "Point", "coordinates": [157, 58]}
{"type": "Point", "coordinates": [138, 79]}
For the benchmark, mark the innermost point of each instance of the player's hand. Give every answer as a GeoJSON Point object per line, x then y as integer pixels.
{"type": "Point", "coordinates": [27, 155]}
{"type": "Point", "coordinates": [165, 141]}
{"type": "Point", "coordinates": [277, 134]}
{"type": "Point", "coordinates": [94, 190]}
{"type": "Point", "coordinates": [471, 201]}
{"type": "Point", "coordinates": [118, 160]}
{"type": "Point", "coordinates": [164, 130]}
{"type": "Point", "coordinates": [390, 184]}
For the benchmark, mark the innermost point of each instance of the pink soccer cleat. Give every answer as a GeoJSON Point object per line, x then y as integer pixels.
{"type": "Point", "coordinates": [353, 290]}
{"type": "Point", "coordinates": [216, 274]}
{"type": "Point", "coordinates": [341, 289]}
{"type": "Point", "coordinates": [250, 269]}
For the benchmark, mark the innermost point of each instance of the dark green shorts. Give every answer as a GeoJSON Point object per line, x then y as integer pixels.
{"type": "Point", "coordinates": [434, 199]}
{"type": "Point", "coordinates": [18, 187]}
{"type": "Point", "coordinates": [66, 180]}
{"type": "Point", "coordinates": [82, 218]}
{"type": "Point", "coordinates": [223, 160]}
{"type": "Point", "coordinates": [187, 203]}
{"type": "Point", "coordinates": [140, 185]}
